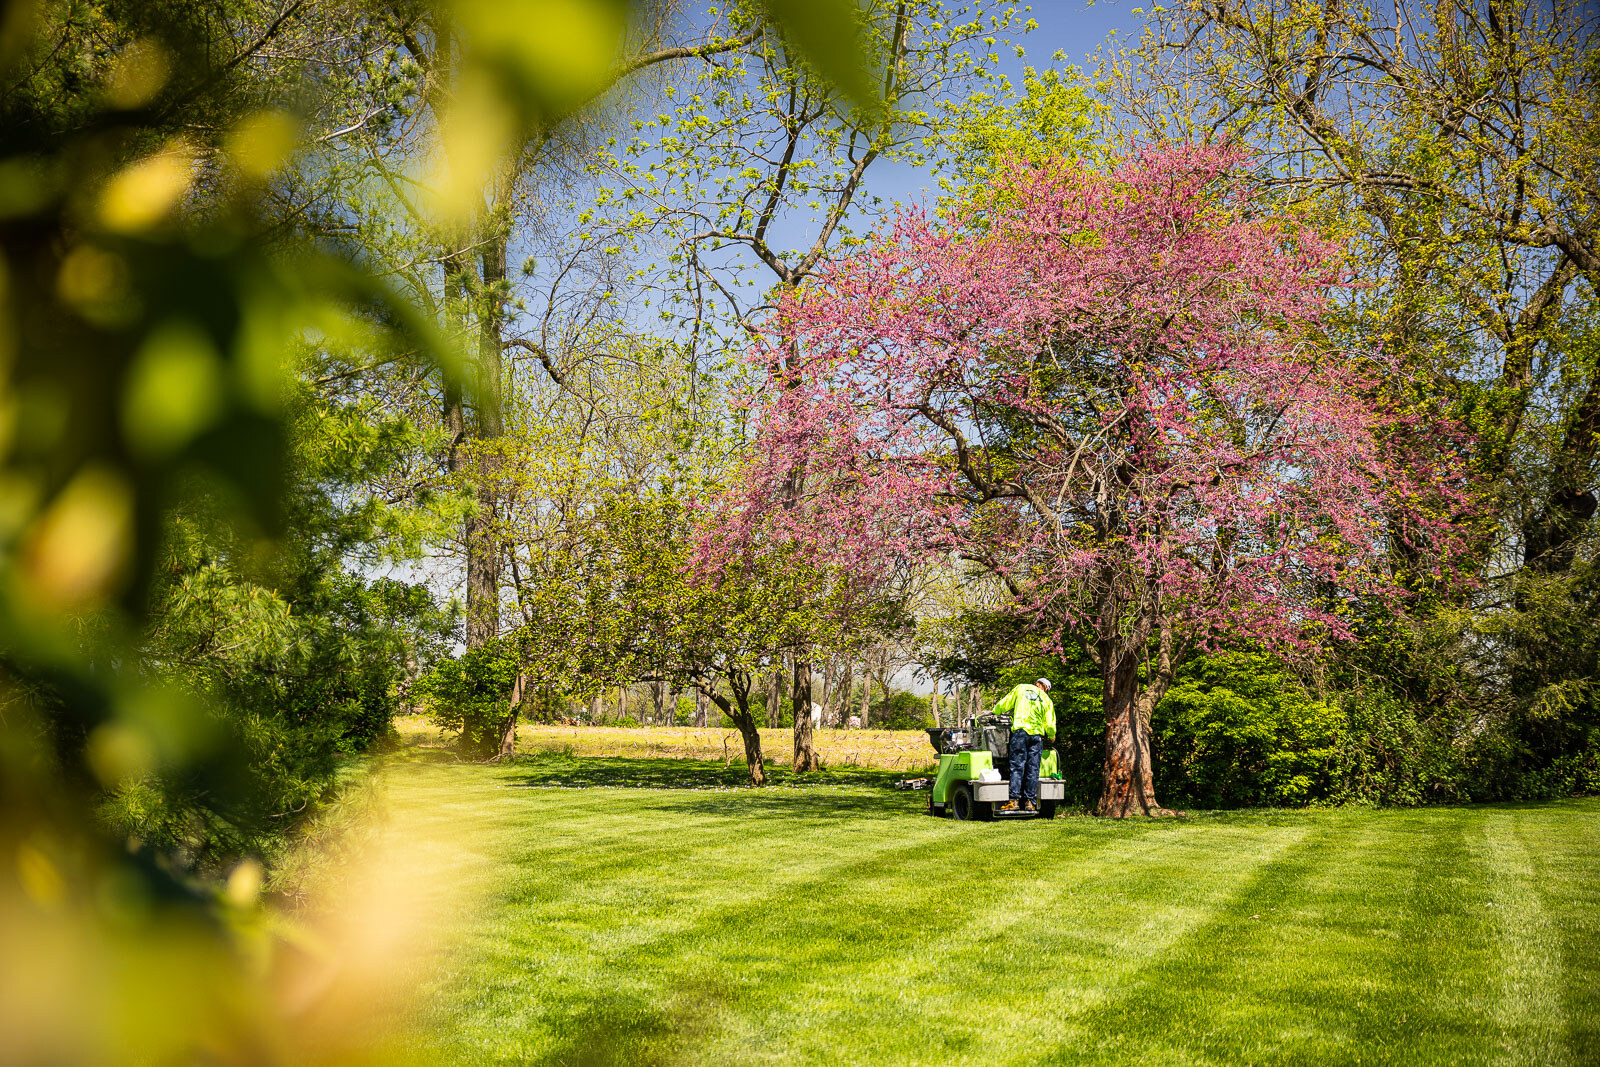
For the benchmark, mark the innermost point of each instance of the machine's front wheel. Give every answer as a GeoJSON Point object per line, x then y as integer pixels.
{"type": "Point", "coordinates": [1047, 809]}
{"type": "Point", "coordinates": [961, 805]}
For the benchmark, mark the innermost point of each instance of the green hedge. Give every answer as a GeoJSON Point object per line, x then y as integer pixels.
{"type": "Point", "coordinates": [1239, 729]}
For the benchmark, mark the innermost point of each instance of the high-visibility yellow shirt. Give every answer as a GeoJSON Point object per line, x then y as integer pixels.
{"type": "Point", "coordinates": [1030, 709]}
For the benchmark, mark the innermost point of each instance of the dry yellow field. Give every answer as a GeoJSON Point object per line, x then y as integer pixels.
{"type": "Point", "coordinates": [889, 750]}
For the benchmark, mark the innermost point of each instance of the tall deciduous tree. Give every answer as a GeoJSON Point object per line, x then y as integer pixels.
{"type": "Point", "coordinates": [756, 168]}
{"type": "Point", "coordinates": [1113, 392]}
{"type": "Point", "coordinates": [1456, 141]}
{"type": "Point", "coordinates": [1453, 144]}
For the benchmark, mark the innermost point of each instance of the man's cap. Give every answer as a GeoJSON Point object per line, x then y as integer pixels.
{"type": "Point", "coordinates": [1042, 683]}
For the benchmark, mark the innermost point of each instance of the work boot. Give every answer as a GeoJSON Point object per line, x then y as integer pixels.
{"type": "Point", "coordinates": [1010, 805]}
{"type": "Point", "coordinates": [1028, 805]}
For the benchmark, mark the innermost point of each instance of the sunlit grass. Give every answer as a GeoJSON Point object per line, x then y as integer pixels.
{"type": "Point", "coordinates": [675, 920]}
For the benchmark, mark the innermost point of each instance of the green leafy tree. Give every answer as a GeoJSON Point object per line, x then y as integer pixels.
{"type": "Point", "coordinates": [1450, 147]}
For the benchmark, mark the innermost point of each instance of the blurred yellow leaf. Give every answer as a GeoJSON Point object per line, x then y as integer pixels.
{"type": "Point", "coordinates": [19, 494]}
{"type": "Point", "coordinates": [244, 883]}
{"type": "Point", "coordinates": [556, 53]}
{"type": "Point", "coordinates": [137, 75]}
{"type": "Point", "coordinates": [40, 879]}
{"type": "Point", "coordinates": [828, 34]}
{"type": "Point", "coordinates": [263, 142]}
{"type": "Point", "coordinates": [94, 282]}
{"type": "Point", "coordinates": [118, 751]}
{"type": "Point", "coordinates": [174, 389]}
{"type": "Point", "coordinates": [79, 548]}
{"type": "Point", "coordinates": [144, 193]}
{"type": "Point", "coordinates": [475, 133]}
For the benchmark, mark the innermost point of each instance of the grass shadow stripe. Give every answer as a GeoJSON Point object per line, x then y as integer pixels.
{"type": "Point", "coordinates": [1032, 940]}
{"type": "Point", "coordinates": [1329, 954]}
{"type": "Point", "coordinates": [1528, 1011]}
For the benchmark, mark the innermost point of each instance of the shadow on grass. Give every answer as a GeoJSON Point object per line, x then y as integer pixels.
{"type": "Point", "coordinates": [796, 804]}
{"type": "Point", "coordinates": [706, 787]}
{"type": "Point", "coordinates": [624, 1030]}
{"type": "Point", "coordinates": [586, 772]}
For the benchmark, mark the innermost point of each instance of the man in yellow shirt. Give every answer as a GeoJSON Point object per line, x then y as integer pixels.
{"type": "Point", "coordinates": [1033, 721]}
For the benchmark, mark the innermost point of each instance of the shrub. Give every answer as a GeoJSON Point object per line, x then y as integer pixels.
{"type": "Point", "coordinates": [1387, 754]}
{"type": "Point", "coordinates": [469, 694]}
{"type": "Point", "coordinates": [901, 711]}
{"type": "Point", "coordinates": [1237, 730]}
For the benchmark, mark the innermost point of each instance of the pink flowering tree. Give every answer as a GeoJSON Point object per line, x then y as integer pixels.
{"type": "Point", "coordinates": [1112, 390]}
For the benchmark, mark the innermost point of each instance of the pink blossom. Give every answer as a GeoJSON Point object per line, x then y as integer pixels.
{"type": "Point", "coordinates": [1114, 390]}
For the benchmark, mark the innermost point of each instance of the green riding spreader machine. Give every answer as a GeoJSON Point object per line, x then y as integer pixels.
{"type": "Point", "coordinates": [974, 772]}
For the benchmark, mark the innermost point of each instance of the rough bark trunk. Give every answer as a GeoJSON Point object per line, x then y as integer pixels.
{"type": "Point", "coordinates": [1127, 784]}
{"type": "Point", "coordinates": [846, 690]}
{"type": "Point", "coordinates": [482, 537]}
{"type": "Point", "coordinates": [805, 752]}
{"type": "Point", "coordinates": [752, 747]}
{"type": "Point", "coordinates": [1551, 538]}
{"type": "Point", "coordinates": [508, 732]}
{"type": "Point", "coordinates": [1126, 788]}
{"type": "Point", "coordinates": [866, 699]}
{"type": "Point", "coordinates": [748, 730]}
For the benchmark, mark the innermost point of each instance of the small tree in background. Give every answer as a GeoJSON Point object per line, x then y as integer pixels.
{"type": "Point", "coordinates": [718, 613]}
{"type": "Point", "coordinates": [1109, 389]}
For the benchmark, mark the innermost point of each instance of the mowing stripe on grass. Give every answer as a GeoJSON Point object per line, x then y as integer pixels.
{"type": "Point", "coordinates": [837, 924]}
{"type": "Point", "coordinates": [1528, 1011]}
{"type": "Point", "coordinates": [1565, 852]}
{"type": "Point", "coordinates": [1051, 941]}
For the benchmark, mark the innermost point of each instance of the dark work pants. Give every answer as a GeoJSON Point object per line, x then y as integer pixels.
{"type": "Point", "coordinates": [1023, 754]}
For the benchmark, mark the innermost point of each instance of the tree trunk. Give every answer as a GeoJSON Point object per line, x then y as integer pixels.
{"type": "Point", "coordinates": [773, 695]}
{"type": "Point", "coordinates": [805, 753]}
{"type": "Point", "coordinates": [699, 708]}
{"type": "Point", "coordinates": [482, 536]}
{"type": "Point", "coordinates": [829, 681]}
{"type": "Point", "coordinates": [748, 730]}
{"type": "Point", "coordinates": [1551, 538]}
{"type": "Point", "coordinates": [753, 760]}
{"type": "Point", "coordinates": [1127, 787]}
{"type": "Point", "coordinates": [508, 733]}
{"type": "Point", "coordinates": [866, 698]}
{"type": "Point", "coordinates": [846, 689]}
{"type": "Point", "coordinates": [622, 702]}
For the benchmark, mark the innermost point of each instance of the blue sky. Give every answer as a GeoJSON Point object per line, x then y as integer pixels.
{"type": "Point", "coordinates": [1073, 27]}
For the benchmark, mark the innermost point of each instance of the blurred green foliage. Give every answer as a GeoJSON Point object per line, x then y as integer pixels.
{"type": "Point", "coordinates": [192, 636]}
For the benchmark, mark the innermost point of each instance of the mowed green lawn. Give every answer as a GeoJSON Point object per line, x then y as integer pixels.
{"type": "Point", "coordinates": [674, 922]}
